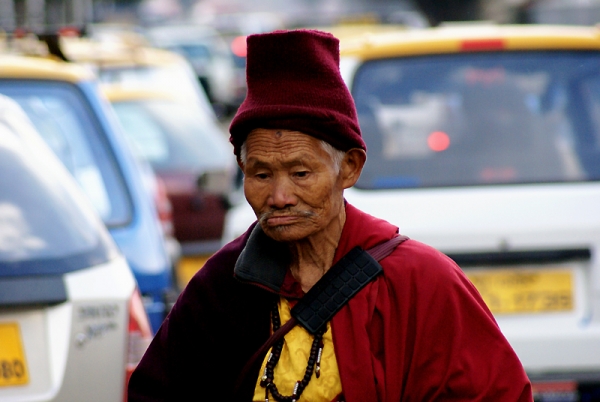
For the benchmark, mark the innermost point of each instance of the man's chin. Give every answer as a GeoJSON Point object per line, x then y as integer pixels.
{"type": "Point", "coordinates": [285, 233]}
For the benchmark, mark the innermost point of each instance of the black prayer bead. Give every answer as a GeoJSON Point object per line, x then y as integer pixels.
{"type": "Point", "coordinates": [276, 354]}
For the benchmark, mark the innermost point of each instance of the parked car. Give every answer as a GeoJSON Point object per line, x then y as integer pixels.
{"type": "Point", "coordinates": [64, 103]}
{"type": "Point", "coordinates": [128, 60]}
{"type": "Point", "coordinates": [190, 153]}
{"type": "Point", "coordinates": [72, 323]}
{"type": "Point", "coordinates": [210, 56]}
{"type": "Point", "coordinates": [483, 141]}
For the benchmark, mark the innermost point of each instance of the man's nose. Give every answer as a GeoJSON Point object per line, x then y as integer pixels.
{"type": "Point", "coordinates": [282, 193]}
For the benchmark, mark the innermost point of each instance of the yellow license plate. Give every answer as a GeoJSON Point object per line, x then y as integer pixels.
{"type": "Point", "coordinates": [13, 367]}
{"type": "Point", "coordinates": [507, 291]}
{"type": "Point", "coordinates": [188, 266]}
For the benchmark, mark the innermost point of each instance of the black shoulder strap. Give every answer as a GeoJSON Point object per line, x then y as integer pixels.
{"type": "Point", "coordinates": [339, 284]}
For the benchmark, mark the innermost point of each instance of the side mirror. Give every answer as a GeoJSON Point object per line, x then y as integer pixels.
{"type": "Point", "coordinates": [215, 182]}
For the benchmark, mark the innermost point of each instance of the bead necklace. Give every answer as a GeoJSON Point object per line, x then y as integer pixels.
{"type": "Point", "coordinates": [314, 364]}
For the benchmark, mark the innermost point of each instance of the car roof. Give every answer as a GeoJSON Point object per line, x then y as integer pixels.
{"type": "Point", "coordinates": [42, 68]}
{"type": "Point", "coordinates": [349, 30]}
{"type": "Point", "coordinates": [124, 93]}
{"type": "Point", "coordinates": [469, 38]}
{"type": "Point", "coordinates": [118, 53]}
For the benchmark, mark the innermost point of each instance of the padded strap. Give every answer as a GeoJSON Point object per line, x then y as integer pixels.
{"type": "Point", "coordinates": [340, 283]}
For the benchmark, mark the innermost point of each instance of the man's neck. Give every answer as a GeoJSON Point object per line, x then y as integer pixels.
{"type": "Point", "coordinates": [313, 256]}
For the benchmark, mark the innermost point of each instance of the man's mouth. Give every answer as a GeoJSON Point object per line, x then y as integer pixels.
{"type": "Point", "coordinates": [272, 219]}
{"type": "Point", "coordinates": [281, 220]}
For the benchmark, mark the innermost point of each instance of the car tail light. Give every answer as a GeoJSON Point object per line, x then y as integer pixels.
{"type": "Point", "coordinates": [139, 335]}
{"type": "Point", "coordinates": [164, 207]}
{"type": "Point", "coordinates": [238, 46]}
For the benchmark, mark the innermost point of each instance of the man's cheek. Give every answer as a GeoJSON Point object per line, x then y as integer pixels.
{"type": "Point", "coordinates": [316, 198]}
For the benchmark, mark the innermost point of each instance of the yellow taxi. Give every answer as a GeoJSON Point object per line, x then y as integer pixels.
{"type": "Point", "coordinates": [128, 60]}
{"type": "Point", "coordinates": [484, 142]}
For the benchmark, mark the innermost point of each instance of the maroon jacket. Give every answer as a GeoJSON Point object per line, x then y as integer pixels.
{"type": "Point", "coordinates": [419, 332]}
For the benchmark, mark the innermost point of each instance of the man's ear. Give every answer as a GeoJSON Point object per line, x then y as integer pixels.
{"type": "Point", "coordinates": [352, 165]}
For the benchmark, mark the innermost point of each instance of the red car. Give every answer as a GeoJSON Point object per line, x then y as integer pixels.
{"type": "Point", "coordinates": [191, 154]}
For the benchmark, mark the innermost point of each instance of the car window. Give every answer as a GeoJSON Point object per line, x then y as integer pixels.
{"type": "Point", "coordinates": [46, 224]}
{"type": "Point", "coordinates": [172, 137]}
{"type": "Point", "coordinates": [59, 113]}
{"type": "Point", "coordinates": [479, 119]}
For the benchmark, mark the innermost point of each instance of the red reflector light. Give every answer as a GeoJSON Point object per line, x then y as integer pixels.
{"type": "Point", "coordinates": [140, 335]}
{"type": "Point", "coordinates": [71, 32]}
{"type": "Point", "coordinates": [19, 33]}
{"type": "Point", "coordinates": [438, 141]}
{"type": "Point", "coordinates": [164, 207]}
{"type": "Point", "coordinates": [556, 391]}
{"type": "Point", "coordinates": [556, 386]}
{"type": "Point", "coordinates": [238, 46]}
{"type": "Point", "coordinates": [474, 45]}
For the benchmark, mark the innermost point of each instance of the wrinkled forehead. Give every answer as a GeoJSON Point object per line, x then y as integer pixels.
{"type": "Point", "coordinates": [280, 141]}
{"type": "Point", "coordinates": [292, 148]}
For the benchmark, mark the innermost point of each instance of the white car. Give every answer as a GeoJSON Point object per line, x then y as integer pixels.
{"type": "Point", "coordinates": [72, 323]}
{"type": "Point", "coordinates": [210, 56]}
{"type": "Point", "coordinates": [483, 141]}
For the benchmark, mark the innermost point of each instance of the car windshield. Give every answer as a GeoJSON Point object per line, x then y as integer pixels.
{"type": "Point", "coordinates": [46, 225]}
{"type": "Point", "coordinates": [173, 137]}
{"type": "Point", "coordinates": [59, 113]}
{"type": "Point", "coordinates": [480, 119]}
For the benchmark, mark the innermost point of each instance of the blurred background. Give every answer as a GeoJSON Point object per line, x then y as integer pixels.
{"type": "Point", "coordinates": [174, 73]}
{"type": "Point", "coordinates": [135, 98]}
{"type": "Point", "coordinates": [232, 17]}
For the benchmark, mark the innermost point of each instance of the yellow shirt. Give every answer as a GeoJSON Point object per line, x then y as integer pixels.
{"type": "Point", "coordinates": [292, 365]}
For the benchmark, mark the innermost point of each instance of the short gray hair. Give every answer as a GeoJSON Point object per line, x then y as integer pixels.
{"type": "Point", "coordinates": [337, 156]}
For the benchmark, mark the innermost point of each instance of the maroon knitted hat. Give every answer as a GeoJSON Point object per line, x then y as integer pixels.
{"type": "Point", "coordinates": [294, 83]}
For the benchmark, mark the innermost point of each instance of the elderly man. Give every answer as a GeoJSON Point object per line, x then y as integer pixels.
{"type": "Point", "coordinates": [296, 309]}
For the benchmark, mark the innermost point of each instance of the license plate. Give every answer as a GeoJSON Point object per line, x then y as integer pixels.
{"type": "Point", "coordinates": [508, 291]}
{"type": "Point", "coordinates": [188, 266]}
{"type": "Point", "coordinates": [13, 367]}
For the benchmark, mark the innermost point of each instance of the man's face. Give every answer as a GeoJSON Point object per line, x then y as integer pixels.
{"type": "Point", "coordinates": [292, 184]}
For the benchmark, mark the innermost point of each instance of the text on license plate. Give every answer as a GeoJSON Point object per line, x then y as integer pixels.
{"type": "Point", "coordinates": [524, 291]}
{"type": "Point", "coordinates": [13, 368]}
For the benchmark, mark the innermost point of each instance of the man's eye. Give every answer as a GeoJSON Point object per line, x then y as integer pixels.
{"type": "Point", "coordinates": [261, 176]}
{"type": "Point", "coordinates": [301, 173]}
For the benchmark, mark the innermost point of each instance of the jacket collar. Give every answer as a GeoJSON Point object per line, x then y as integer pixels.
{"type": "Point", "coordinates": [265, 262]}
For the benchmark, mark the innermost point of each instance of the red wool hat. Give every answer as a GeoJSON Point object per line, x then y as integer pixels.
{"type": "Point", "coordinates": [294, 83]}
